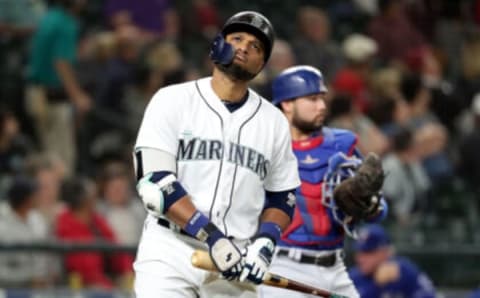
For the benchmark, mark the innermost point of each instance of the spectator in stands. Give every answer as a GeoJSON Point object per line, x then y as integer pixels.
{"type": "Point", "coordinates": [450, 32]}
{"type": "Point", "coordinates": [354, 77]}
{"type": "Point", "coordinates": [47, 170]}
{"type": "Point", "coordinates": [380, 273]}
{"type": "Point", "coordinates": [123, 211]}
{"type": "Point", "coordinates": [281, 58]}
{"type": "Point", "coordinates": [344, 115]}
{"type": "Point", "coordinates": [18, 20]}
{"type": "Point", "coordinates": [407, 184]}
{"type": "Point", "coordinates": [390, 114]}
{"type": "Point", "coordinates": [81, 223]}
{"type": "Point", "coordinates": [468, 83]}
{"type": "Point", "coordinates": [20, 223]}
{"type": "Point", "coordinates": [352, 82]}
{"type": "Point", "coordinates": [206, 18]}
{"type": "Point", "coordinates": [54, 89]}
{"type": "Point", "coordinates": [313, 46]}
{"type": "Point", "coordinates": [385, 82]}
{"type": "Point", "coordinates": [14, 148]}
{"type": "Point", "coordinates": [423, 63]}
{"type": "Point", "coordinates": [389, 110]}
{"type": "Point", "coordinates": [151, 18]}
{"type": "Point", "coordinates": [146, 81]}
{"type": "Point", "coordinates": [388, 26]}
{"type": "Point", "coordinates": [469, 145]}
{"type": "Point", "coordinates": [430, 134]}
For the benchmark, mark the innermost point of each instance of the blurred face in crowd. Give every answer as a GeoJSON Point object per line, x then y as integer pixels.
{"type": "Point", "coordinates": [49, 187]}
{"type": "Point", "coordinates": [282, 57]}
{"type": "Point", "coordinates": [9, 127]}
{"type": "Point", "coordinates": [306, 113]}
{"type": "Point", "coordinates": [368, 261]}
{"type": "Point", "coordinates": [249, 56]}
{"type": "Point", "coordinates": [117, 190]}
{"type": "Point", "coordinates": [314, 24]}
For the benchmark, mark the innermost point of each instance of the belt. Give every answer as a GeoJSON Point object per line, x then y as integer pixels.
{"type": "Point", "coordinates": [56, 95]}
{"type": "Point", "coordinates": [171, 226]}
{"type": "Point", "coordinates": [324, 261]}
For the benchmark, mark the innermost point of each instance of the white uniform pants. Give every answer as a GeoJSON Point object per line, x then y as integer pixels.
{"type": "Point", "coordinates": [163, 268]}
{"type": "Point", "coordinates": [334, 279]}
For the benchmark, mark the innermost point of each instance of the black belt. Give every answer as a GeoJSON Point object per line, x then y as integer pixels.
{"type": "Point", "coordinates": [324, 261]}
{"type": "Point", "coordinates": [171, 226]}
{"type": "Point", "coordinates": [56, 95]}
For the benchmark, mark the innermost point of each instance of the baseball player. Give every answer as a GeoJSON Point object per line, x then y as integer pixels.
{"type": "Point", "coordinates": [379, 273]}
{"type": "Point", "coordinates": [215, 171]}
{"type": "Point", "coordinates": [310, 249]}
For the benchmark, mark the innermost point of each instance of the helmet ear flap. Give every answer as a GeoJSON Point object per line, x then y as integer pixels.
{"type": "Point", "coordinates": [221, 52]}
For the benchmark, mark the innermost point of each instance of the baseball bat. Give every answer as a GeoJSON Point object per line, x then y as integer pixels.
{"type": "Point", "coordinates": [201, 259]}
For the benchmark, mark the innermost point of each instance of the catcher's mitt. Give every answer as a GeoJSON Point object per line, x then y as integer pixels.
{"type": "Point", "coordinates": [358, 196]}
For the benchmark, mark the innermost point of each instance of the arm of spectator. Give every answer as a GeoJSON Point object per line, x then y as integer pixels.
{"type": "Point", "coordinates": [77, 95]}
{"type": "Point", "coordinates": [371, 139]}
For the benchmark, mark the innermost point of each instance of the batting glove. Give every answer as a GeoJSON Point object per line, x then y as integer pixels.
{"type": "Point", "coordinates": [258, 257]}
{"type": "Point", "coordinates": [225, 255]}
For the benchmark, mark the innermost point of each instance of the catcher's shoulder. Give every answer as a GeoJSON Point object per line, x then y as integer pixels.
{"type": "Point", "coordinates": [340, 133]}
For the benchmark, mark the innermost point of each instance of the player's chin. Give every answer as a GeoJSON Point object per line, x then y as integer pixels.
{"type": "Point", "coordinates": [238, 72]}
{"type": "Point", "coordinates": [318, 121]}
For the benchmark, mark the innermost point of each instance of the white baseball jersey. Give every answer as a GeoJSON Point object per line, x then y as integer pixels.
{"type": "Point", "coordinates": [225, 160]}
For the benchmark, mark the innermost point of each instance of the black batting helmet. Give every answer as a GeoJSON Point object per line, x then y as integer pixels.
{"type": "Point", "coordinates": [254, 23]}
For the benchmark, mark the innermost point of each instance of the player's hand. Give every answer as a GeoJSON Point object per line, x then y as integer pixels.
{"type": "Point", "coordinates": [225, 255]}
{"type": "Point", "coordinates": [386, 273]}
{"type": "Point", "coordinates": [258, 257]}
{"type": "Point", "coordinates": [82, 102]}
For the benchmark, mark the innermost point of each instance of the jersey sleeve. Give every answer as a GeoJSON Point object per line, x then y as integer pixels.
{"type": "Point", "coordinates": [283, 174]}
{"type": "Point", "coordinates": [160, 124]}
{"type": "Point", "coordinates": [417, 282]}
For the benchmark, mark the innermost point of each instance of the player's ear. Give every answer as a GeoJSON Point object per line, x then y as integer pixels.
{"type": "Point", "coordinates": [287, 106]}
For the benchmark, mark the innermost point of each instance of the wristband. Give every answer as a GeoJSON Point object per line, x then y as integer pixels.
{"type": "Point", "coordinates": [271, 230]}
{"type": "Point", "coordinates": [200, 227]}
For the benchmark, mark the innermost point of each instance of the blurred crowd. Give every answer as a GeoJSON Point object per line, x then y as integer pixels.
{"type": "Point", "coordinates": [76, 75]}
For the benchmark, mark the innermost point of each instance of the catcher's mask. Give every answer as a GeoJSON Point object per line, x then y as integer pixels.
{"type": "Point", "coordinates": [340, 167]}
{"type": "Point", "coordinates": [246, 21]}
{"type": "Point", "coordinates": [297, 81]}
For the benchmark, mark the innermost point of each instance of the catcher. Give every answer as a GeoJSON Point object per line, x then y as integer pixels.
{"type": "Point", "coordinates": [338, 189]}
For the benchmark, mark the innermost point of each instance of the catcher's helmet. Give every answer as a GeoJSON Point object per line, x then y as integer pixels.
{"type": "Point", "coordinates": [297, 81]}
{"type": "Point", "coordinates": [246, 21]}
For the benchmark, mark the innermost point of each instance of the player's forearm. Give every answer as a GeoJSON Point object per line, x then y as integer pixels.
{"type": "Point", "coordinates": [181, 211]}
{"type": "Point", "coordinates": [277, 213]}
{"type": "Point", "coordinates": [67, 76]}
{"type": "Point", "coordinates": [276, 216]}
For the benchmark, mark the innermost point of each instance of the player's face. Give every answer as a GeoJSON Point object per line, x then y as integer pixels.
{"type": "Point", "coordinates": [368, 262]}
{"type": "Point", "coordinates": [249, 50]}
{"type": "Point", "coordinates": [249, 56]}
{"type": "Point", "coordinates": [309, 112]}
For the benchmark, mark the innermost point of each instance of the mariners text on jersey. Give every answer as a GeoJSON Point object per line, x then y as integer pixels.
{"type": "Point", "coordinates": [202, 149]}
